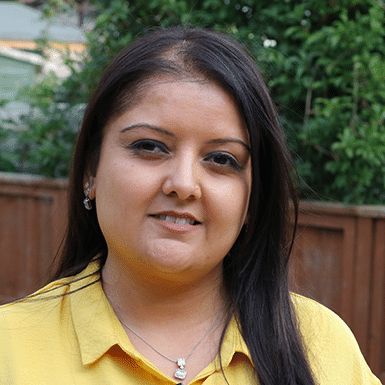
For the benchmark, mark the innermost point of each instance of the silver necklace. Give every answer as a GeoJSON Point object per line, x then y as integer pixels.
{"type": "Point", "coordinates": [180, 373]}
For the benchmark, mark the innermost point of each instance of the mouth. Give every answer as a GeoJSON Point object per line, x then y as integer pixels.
{"type": "Point", "coordinates": [182, 219]}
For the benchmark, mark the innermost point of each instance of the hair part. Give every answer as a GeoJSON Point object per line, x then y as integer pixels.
{"type": "Point", "coordinates": [256, 268]}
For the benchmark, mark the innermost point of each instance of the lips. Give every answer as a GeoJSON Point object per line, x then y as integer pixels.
{"type": "Point", "coordinates": [177, 218]}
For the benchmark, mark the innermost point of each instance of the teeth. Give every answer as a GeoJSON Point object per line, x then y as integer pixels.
{"type": "Point", "coordinates": [179, 221]}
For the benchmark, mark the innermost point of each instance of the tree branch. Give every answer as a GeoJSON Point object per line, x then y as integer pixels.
{"type": "Point", "coordinates": [355, 99]}
{"type": "Point", "coordinates": [309, 95]}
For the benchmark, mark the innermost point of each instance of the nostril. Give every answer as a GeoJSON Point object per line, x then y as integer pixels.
{"type": "Point", "coordinates": [182, 186]}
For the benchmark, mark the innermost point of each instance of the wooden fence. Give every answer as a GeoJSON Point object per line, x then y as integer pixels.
{"type": "Point", "coordinates": [32, 221]}
{"type": "Point", "coordinates": [339, 260]}
{"type": "Point", "coordinates": [338, 257]}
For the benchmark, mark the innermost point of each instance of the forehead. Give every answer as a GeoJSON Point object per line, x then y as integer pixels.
{"type": "Point", "coordinates": [169, 99]}
{"type": "Point", "coordinates": [168, 90]}
{"type": "Point", "coordinates": [134, 94]}
{"type": "Point", "coordinates": [195, 83]}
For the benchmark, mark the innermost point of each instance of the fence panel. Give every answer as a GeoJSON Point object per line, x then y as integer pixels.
{"type": "Point", "coordinates": [32, 218]}
{"type": "Point", "coordinates": [339, 260]}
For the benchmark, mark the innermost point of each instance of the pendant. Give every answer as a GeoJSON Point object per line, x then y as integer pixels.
{"type": "Point", "coordinates": [180, 373]}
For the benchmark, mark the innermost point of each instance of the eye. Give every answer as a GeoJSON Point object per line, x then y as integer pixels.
{"type": "Point", "coordinates": [222, 160]}
{"type": "Point", "coordinates": [149, 147]}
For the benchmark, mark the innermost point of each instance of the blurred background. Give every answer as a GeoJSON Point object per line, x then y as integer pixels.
{"type": "Point", "coordinates": [324, 62]}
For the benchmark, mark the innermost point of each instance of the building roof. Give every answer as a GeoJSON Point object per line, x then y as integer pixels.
{"type": "Point", "coordinates": [52, 65]}
{"type": "Point", "coordinates": [27, 57]}
{"type": "Point", "coordinates": [23, 23]}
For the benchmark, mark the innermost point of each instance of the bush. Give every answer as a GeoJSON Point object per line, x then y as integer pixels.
{"type": "Point", "coordinates": [41, 141]}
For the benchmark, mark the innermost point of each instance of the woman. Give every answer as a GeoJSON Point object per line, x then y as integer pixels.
{"type": "Point", "coordinates": [174, 268]}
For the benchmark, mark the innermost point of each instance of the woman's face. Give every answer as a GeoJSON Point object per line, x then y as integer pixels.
{"type": "Point", "coordinates": [173, 182]}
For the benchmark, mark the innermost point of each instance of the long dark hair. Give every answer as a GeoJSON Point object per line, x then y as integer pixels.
{"type": "Point", "coordinates": [256, 268]}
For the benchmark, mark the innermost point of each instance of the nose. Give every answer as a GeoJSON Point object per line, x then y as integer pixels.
{"type": "Point", "coordinates": [182, 178]}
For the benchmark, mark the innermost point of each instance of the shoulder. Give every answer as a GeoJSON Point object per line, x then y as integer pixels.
{"type": "Point", "coordinates": [37, 334]}
{"type": "Point", "coordinates": [31, 315]}
{"type": "Point", "coordinates": [321, 328]}
{"type": "Point", "coordinates": [332, 349]}
{"type": "Point", "coordinates": [315, 317]}
{"type": "Point", "coordinates": [44, 301]}
{"type": "Point", "coordinates": [53, 291]}
{"type": "Point", "coordinates": [24, 327]}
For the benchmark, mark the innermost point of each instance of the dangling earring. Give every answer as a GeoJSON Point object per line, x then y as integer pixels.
{"type": "Point", "coordinates": [87, 201]}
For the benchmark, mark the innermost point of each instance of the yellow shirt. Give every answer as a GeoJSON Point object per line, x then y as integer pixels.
{"type": "Point", "coordinates": [77, 339]}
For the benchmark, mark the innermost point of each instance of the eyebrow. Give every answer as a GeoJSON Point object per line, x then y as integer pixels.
{"type": "Point", "coordinates": [169, 133]}
{"type": "Point", "coordinates": [155, 128]}
{"type": "Point", "coordinates": [231, 140]}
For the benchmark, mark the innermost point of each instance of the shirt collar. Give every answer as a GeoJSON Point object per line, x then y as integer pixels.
{"type": "Point", "coordinates": [233, 343]}
{"type": "Point", "coordinates": [95, 322]}
{"type": "Point", "coordinates": [98, 329]}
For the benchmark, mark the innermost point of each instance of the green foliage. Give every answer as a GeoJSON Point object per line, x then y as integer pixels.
{"type": "Point", "coordinates": [324, 63]}
{"type": "Point", "coordinates": [327, 75]}
{"type": "Point", "coordinates": [41, 141]}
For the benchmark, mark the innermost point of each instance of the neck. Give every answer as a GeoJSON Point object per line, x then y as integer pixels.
{"type": "Point", "coordinates": [154, 302]}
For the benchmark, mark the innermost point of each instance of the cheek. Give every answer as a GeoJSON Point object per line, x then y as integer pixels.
{"type": "Point", "coordinates": [122, 182]}
{"type": "Point", "coordinates": [115, 191]}
{"type": "Point", "coordinates": [230, 203]}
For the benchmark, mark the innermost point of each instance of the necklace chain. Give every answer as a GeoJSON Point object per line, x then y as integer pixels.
{"type": "Point", "coordinates": [180, 373]}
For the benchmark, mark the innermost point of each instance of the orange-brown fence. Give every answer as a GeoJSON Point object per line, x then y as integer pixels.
{"type": "Point", "coordinates": [339, 260]}
{"type": "Point", "coordinates": [32, 221]}
{"type": "Point", "coordinates": [338, 257]}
